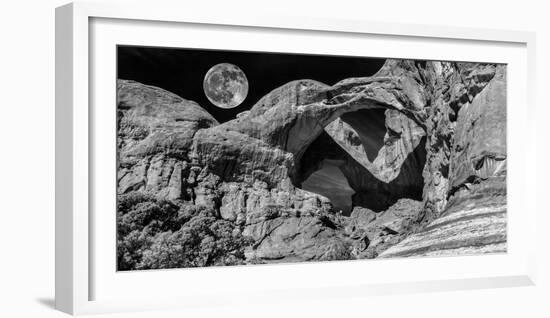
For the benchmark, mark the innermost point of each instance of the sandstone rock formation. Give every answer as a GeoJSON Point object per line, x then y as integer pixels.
{"type": "Point", "coordinates": [417, 151]}
{"type": "Point", "coordinates": [474, 222]}
{"type": "Point", "coordinates": [156, 130]}
{"type": "Point", "coordinates": [474, 219]}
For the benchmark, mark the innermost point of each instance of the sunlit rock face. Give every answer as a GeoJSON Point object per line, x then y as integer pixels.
{"type": "Point", "coordinates": [454, 87]}
{"type": "Point", "coordinates": [473, 222]}
{"type": "Point", "coordinates": [479, 148]}
{"type": "Point", "coordinates": [474, 218]}
{"type": "Point", "coordinates": [155, 134]}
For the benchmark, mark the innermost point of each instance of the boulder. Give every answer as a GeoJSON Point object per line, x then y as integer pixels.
{"type": "Point", "coordinates": [384, 229]}
{"type": "Point", "coordinates": [293, 239]}
{"type": "Point", "coordinates": [152, 120]}
{"type": "Point", "coordinates": [155, 133]}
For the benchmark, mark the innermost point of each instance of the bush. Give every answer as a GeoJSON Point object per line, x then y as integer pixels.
{"type": "Point", "coordinates": [203, 241]}
{"type": "Point", "coordinates": [136, 211]}
{"type": "Point", "coordinates": [156, 233]}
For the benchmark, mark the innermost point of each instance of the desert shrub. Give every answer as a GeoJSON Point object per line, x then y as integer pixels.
{"type": "Point", "coordinates": [139, 218]}
{"type": "Point", "coordinates": [136, 211]}
{"type": "Point", "coordinates": [271, 211]}
{"type": "Point", "coordinates": [157, 233]}
{"type": "Point", "coordinates": [202, 241]}
{"type": "Point", "coordinates": [131, 247]}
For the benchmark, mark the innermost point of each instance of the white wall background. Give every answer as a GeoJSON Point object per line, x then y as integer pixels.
{"type": "Point", "coordinates": [27, 159]}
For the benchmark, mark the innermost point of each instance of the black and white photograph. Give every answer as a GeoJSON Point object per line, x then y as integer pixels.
{"type": "Point", "coordinates": [244, 158]}
{"type": "Point", "coordinates": [220, 159]}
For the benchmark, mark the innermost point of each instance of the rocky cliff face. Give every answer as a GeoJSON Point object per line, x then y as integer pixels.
{"type": "Point", "coordinates": [419, 150]}
{"type": "Point", "coordinates": [473, 218]}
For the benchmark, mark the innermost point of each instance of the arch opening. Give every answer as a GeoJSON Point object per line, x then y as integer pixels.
{"type": "Point", "coordinates": [327, 169]}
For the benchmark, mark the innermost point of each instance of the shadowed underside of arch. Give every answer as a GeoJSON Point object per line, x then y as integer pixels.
{"type": "Point", "coordinates": [394, 172]}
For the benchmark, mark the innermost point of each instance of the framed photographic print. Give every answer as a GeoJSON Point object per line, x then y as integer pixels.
{"type": "Point", "coordinates": [202, 155]}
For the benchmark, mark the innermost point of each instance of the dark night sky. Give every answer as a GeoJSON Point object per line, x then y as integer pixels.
{"type": "Point", "coordinates": [181, 71]}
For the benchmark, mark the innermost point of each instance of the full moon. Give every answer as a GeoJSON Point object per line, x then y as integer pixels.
{"type": "Point", "coordinates": [225, 85]}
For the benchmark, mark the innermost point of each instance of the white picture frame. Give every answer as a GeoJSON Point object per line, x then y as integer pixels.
{"type": "Point", "coordinates": [77, 251]}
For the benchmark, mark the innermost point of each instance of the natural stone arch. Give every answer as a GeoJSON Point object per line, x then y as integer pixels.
{"type": "Point", "coordinates": [282, 125]}
{"type": "Point", "coordinates": [371, 191]}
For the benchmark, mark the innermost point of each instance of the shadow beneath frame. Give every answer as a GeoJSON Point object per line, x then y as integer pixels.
{"type": "Point", "coordinates": [46, 302]}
